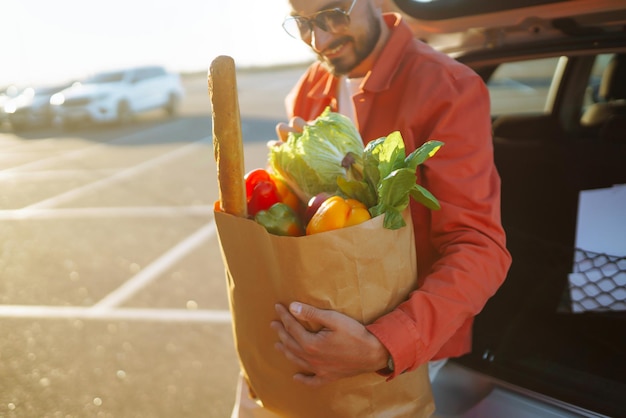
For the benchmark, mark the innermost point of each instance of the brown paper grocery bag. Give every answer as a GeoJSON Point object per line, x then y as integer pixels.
{"type": "Point", "coordinates": [363, 271]}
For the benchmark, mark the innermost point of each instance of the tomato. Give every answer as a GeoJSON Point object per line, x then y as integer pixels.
{"type": "Point", "coordinates": [253, 178]}
{"type": "Point", "coordinates": [263, 197]}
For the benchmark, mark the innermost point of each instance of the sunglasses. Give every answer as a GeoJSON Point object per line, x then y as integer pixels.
{"type": "Point", "coordinates": [332, 21]}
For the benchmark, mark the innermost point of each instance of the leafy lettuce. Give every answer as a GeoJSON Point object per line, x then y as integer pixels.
{"type": "Point", "coordinates": [311, 161]}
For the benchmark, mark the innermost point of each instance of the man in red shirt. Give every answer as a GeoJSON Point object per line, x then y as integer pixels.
{"type": "Point", "coordinates": [372, 69]}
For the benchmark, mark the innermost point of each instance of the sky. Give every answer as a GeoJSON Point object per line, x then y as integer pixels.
{"type": "Point", "coordinates": [54, 41]}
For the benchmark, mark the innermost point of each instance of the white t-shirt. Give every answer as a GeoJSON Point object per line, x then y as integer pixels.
{"type": "Point", "coordinates": [348, 87]}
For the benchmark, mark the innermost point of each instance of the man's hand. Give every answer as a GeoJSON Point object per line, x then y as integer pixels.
{"type": "Point", "coordinates": [341, 348]}
{"type": "Point", "coordinates": [295, 125]}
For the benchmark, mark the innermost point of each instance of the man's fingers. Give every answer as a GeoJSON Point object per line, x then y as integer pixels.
{"type": "Point", "coordinates": [286, 339]}
{"type": "Point", "coordinates": [289, 346]}
{"type": "Point", "coordinates": [297, 123]}
{"type": "Point", "coordinates": [298, 361]}
{"type": "Point", "coordinates": [283, 129]}
{"type": "Point", "coordinates": [313, 315]}
{"type": "Point", "coordinates": [292, 326]}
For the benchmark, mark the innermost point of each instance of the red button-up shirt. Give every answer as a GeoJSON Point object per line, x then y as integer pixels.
{"type": "Point", "coordinates": [461, 253]}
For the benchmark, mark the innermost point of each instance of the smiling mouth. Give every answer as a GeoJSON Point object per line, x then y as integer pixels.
{"type": "Point", "coordinates": [335, 48]}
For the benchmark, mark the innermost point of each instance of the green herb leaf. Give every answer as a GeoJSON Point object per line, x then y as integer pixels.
{"type": "Point", "coordinates": [359, 190]}
{"type": "Point", "coordinates": [396, 179]}
{"type": "Point", "coordinates": [393, 219]}
{"type": "Point", "coordinates": [423, 196]}
{"type": "Point", "coordinates": [423, 153]}
{"type": "Point", "coordinates": [393, 193]}
{"type": "Point", "coordinates": [390, 154]}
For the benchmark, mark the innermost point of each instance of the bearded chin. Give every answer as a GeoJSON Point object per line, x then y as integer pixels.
{"type": "Point", "coordinates": [339, 66]}
{"type": "Point", "coordinates": [336, 67]}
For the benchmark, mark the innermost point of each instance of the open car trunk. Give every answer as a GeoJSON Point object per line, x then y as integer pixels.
{"type": "Point", "coordinates": [531, 337]}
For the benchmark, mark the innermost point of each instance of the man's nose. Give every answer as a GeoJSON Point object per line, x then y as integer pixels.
{"type": "Point", "coordinates": [320, 39]}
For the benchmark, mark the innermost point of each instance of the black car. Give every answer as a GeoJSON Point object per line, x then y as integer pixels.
{"type": "Point", "coordinates": [552, 341]}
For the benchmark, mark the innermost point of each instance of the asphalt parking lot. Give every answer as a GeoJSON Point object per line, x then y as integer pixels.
{"type": "Point", "coordinates": [112, 291]}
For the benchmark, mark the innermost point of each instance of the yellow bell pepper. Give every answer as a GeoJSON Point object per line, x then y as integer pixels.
{"type": "Point", "coordinates": [337, 212]}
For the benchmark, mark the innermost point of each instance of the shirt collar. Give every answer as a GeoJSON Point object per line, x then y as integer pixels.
{"type": "Point", "coordinates": [380, 76]}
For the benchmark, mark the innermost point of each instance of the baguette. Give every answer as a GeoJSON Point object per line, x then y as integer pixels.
{"type": "Point", "coordinates": [227, 138]}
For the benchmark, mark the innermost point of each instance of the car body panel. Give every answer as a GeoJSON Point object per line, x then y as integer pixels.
{"type": "Point", "coordinates": [506, 24]}
{"type": "Point", "coordinates": [461, 392]}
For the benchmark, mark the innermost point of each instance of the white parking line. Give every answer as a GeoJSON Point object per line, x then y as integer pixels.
{"type": "Point", "coordinates": [125, 314]}
{"type": "Point", "coordinates": [155, 269]}
{"type": "Point", "coordinates": [104, 212]}
{"type": "Point", "coordinates": [107, 308]}
{"type": "Point", "coordinates": [118, 176]}
{"type": "Point", "coordinates": [46, 175]}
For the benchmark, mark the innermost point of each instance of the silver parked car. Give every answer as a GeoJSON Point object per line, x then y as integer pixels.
{"type": "Point", "coordinates": [6, 94]}
{"type": "Point", "coordinates": [115, 96]}
{"type": "Point", "coordinates": [31, 107]}
{"type": "Point", "coordinates": [552, 341]}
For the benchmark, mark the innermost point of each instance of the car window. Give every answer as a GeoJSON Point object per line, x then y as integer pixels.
{"type": "Point", "coordinates": [158, 71]}
{"type": "Point", "coordinates": [522, 86]}
{"type": "Point", "coordinates": [593, 84]}
{"type": "Point", "coordinates": [112, 77]}
{"type": "Point", "coordinates": [147, 73]}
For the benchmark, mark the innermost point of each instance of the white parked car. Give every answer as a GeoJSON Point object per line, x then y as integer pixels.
{"type": "Point", "coordinates": [115, 96]}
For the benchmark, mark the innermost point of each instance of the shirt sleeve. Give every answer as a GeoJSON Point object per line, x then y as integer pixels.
{"type": "Point", "coordinates": [468, 250]}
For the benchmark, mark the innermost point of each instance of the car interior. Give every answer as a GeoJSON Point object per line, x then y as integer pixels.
{"type": "Point", "coordinates": [607, 117]}
{"type": "Point", "coordinates": [528, 333]}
